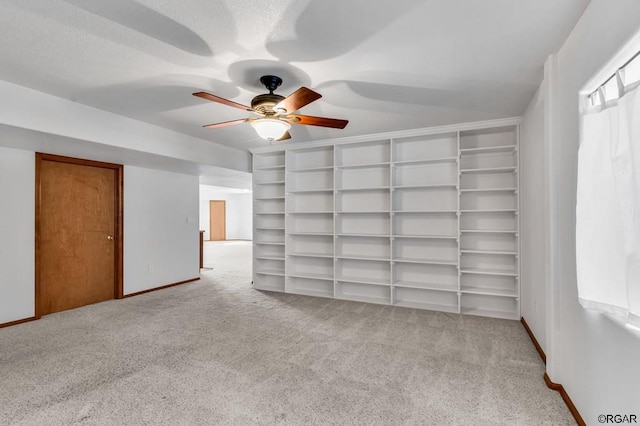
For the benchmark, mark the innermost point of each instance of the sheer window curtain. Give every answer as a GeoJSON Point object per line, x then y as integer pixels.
{"type": "Point", "coordinates": [608, 205]}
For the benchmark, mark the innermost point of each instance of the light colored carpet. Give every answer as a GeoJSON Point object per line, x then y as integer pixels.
{"type": "Point", "coordinates": [218, 352]}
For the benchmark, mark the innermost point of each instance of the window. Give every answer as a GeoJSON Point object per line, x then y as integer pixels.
{"type": "Point", "coordinates": [608, 198]}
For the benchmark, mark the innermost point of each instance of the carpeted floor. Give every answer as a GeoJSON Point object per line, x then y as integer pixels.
{"type": "Point", "coordinates": [218, 352]}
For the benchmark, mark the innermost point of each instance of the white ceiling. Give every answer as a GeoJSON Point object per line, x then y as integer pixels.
{"type": "Point", "coordinates": [382, 65]}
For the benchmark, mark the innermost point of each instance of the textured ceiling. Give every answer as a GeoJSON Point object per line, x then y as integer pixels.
{"type": "Point", "coordinates": [382, 65]}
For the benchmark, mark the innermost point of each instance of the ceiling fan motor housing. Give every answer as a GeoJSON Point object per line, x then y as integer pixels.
{"type": "Point", "coordinates": [264, 104]}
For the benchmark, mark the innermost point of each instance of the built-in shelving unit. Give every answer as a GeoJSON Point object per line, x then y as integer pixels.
{"type": "Point", "coordinates": [309, 221]}
{"type": "Point", "coordinates": [268, 221]}
{"type": "Point", "coordinates": [489, 225]}
{"type": "Point", "coordinates": [424, 220]}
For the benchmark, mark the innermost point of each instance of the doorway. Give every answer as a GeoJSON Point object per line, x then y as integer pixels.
{"type": "Point", "coordinates": [217, 220]}
{"type": "Point", "coordinates": [79, 211]}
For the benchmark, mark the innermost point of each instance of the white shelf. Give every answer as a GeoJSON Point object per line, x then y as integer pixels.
{"type": "Point", "coordinates": [267, 168]}
{"type": "Point", "coordinates": [363, 165]}
{"type": "Point", "coordinates": [367, 258]}
{"type": "Point", "coordinates": [489, 190]}
{"type": "Point", "coordinates": [364, 212]}
{"type": "Point", "coordinates": [269, 258]}
{"type": "Point", "coordinates": [299, 254]}
{"type": "Point", "coordinates": [434, 186]}
{"type": "Point", "coordinates": [489, 149]}
{"type": "Point", "coordinates": [510, 169]}
{"type": "Point", "coordinates": [268, 243]}
{"type": "Point", "coordinates": [489, 291]}
{"type": "Point", "coordinates": [488, 231]}
{"type": "Point", "coordinates": [275, 182]}
{"type": "Point", "coordinates": [364, 188]}
{"type": "Point", "coordinates": [490, 211]}
{"type": "Point", "coordinates": [268, 228]}
{"type": "Point", "coordinates": [487, 272]}
{"type": "Point", "coordinates": [308, 275]}
{"type": "Point", "coordinates": [309, 191]}
{"type": "Point", "coordinates": [427, 211]}
{"type": "Point", "coordinates": [506, 253]}
{"type": "Point", "coordinates": [323, 212]}
{"type": "Point", "coordinates": [426, 286]}
{"type": "Point", "coordinates": [369, 281]}
{"type": "Point", "coordinates": [313, 234]}
{"type": "Point", "coordinates": [270, 198]}
{"type": "Point", "coordinates": [363, 235]}
{"type": "Point", "coordinates": [425, 261]}
{"type": "Point", "coordinates": [276, 272]}
{"type": "Point", "coordinates": [428, 237]}
{"type": "Point", "coordinates": [426, 161]}
{"type": "Point", "coordinates": [268, 213]}
{"type": "Point", "coordinates": [310, 169]}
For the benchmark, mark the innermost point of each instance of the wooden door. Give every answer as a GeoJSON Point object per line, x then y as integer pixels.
{"type": "Point", "coordinates": [217, 220]}
{"type": "Point", "coordinates": [78, 233]}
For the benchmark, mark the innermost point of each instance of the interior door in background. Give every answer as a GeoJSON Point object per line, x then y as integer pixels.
{"type": "Point", "coordinates": [77, 235]}
{"type": "Point", "coordinates": [217, 220]}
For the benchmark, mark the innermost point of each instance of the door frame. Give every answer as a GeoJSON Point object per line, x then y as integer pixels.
{"type": "Point", "coordinates": [119, 216]}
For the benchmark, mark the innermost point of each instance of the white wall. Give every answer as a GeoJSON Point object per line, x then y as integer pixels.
{"type": "Point", "coordinates": [26, 108]}
{"type": "Point", "coordinates": [160, 225]}
{"type": "Point", "coordinates": [17, 225]}
{"type": "Point", "coordinates": [239, 211]}
{"type": "Point", "coordinates": [240, 224]}
{"type": "Point", "coordinates": [161, 243]}
{"type": "Point", "coordinates": [595, 359]}
{"type": "Point", "coordinates": [532, 215]}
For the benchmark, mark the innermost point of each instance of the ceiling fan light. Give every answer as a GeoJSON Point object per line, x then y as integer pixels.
{"type": "Point", "coordinates": [270, 129]}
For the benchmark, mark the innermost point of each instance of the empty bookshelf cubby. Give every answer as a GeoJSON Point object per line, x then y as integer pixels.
{"type": "Point", "coordinates": [310, 181]}
{"type": "Point", "coordinates": [365, 201]}
{"type": "Point", "coordinates": [425, 276]}
{"type": "Point", "coordinates": [489, 305]}
{"type": "Point", "coordinates": [309, 286]}
{"type": "Point", "coordinates": [425, 174]}
{"type": "Point", "coordinates": [363, 247]}
{"type": "Point", "coordinates": [354, 178]}
{"type": "Point", "coordinates": [366, 223]}
{"type": "Point", "coordinates": [427, 148]}
{"type": "Point", "coordinates": [310, 267]}
{"type": "Point", "coordinates": [319, 158]}
{"type": "Point", "coordinates": [363, 154]}
{"type": "Point", "coordinates": [319, 245]}
{"type": "Point", "coordinates": [420, 219]}
{"type": "Point", "coordinates": [435, 300]}
{"type": "Point", "coordinates": [363, 292]}
{"type": "Point", "coordinates": [309, 224]}
{"type": "Point", "coordinates": [361, 270]}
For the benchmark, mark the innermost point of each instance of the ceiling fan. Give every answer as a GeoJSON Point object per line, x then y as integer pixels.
{"type": "Point", "coordinates": [275, 111]}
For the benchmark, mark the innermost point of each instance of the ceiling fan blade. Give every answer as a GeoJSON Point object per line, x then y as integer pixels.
{"type": "Point", "coordinates": [297, 100]}
{"type": "Point", "coordinates": [284, 137]}
{"type": "Point", "coordinates": [223, 101]}
{"type": "Point", "coordinates": [317, 121]}
{"type": "Point", "coordinates": [226, 123]}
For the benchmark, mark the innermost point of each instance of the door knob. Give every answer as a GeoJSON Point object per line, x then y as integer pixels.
{"type": "Point", "coordinates": [110, 237]}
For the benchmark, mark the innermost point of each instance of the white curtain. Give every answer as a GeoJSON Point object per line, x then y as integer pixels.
{"type": "Point", "coordinates": [608, 208]}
